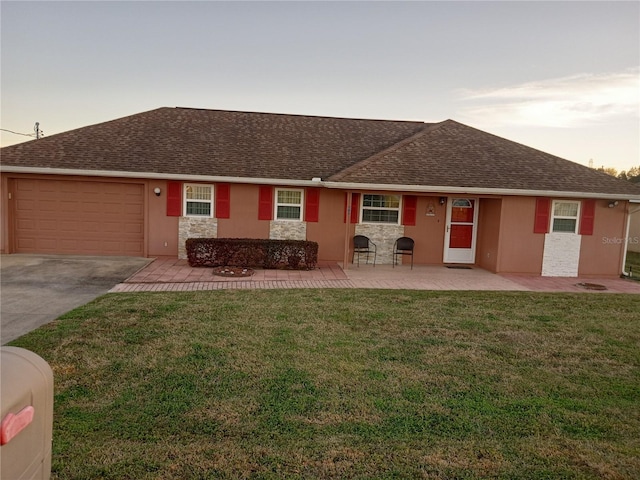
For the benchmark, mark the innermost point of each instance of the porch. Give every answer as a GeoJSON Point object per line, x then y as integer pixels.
{"type": "Point", "coordinates": [172, 274]}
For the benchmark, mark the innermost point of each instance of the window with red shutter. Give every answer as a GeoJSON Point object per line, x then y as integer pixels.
{"type": "Point", "coordinates": [312, 207]}
{"type": "Point", "coordinates": [543, 209]}
{"type": "Point", "coordinates": [223, 200]}
{"type": "Point", "coordinates": [409, 210]}
{"type": "Point", "coordinates": [265, 203]}
{"type": "Point", "coordinates": [588, 217]}
{"type": "Point", "coordinates": [174, 199]}
{"type": "Point", "coordinates": [355, 207]}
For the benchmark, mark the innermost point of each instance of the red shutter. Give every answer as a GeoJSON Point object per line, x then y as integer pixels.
{"type": "Point", "coordinates": [265, 203]}
{"type": "Point", "coordinates": [409, 210]}
{"type": "Point", "coordinates": [223, 200]}
{"type": "Point", "coordinates": [174, 199]}
{"type": "Point", "coordinates": [312, 208]}
{"type": "Point", "coordinates": [587, 217]}
{"type": "Point", "coordinates": [543, 209]}
{"type": "Point", "coordinates": [355, 207]}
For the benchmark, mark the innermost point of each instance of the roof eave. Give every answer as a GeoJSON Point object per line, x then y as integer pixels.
{"type": "Point", "coordinates": [439, 189]}
{"type": "Point", "coordinates": [478, 191]}
{"type": "Point", "coordinates": [159, 176]}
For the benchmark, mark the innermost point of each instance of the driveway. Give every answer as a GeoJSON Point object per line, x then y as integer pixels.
{"type": "Point", "coordinates": [36, 289]}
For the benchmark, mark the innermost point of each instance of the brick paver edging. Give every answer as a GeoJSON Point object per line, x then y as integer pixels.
{"type": "Point", "coordinates": [237, 285]}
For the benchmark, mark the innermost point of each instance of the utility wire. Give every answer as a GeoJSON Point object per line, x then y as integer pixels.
{"type": "Point", "coordinates": [17, 133]}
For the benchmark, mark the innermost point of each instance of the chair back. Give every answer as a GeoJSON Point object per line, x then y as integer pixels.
{"type": "Point", "coordinates": [404, 243]}
{"type": "Point", "coordinates": [360, 241]}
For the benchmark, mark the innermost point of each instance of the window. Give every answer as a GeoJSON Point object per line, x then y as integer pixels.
{"type": "Point", "coordinates": [380, 208]}
{"type": "Point", "coordinates": [198, 200]}
{"type": "Point", "coordinates": [288, 204]}
{"type": "Point", "coordinates": [565, 216]}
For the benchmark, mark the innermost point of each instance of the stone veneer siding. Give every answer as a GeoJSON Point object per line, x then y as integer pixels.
{"type": "Point", "coordinates": [284, 230]}
{"type": "Point", "coordinates": [384, 236]}
{"type": "Point", "coordinates": [195, 227]}
{"type": "Point", "coordinates": [561, 255]}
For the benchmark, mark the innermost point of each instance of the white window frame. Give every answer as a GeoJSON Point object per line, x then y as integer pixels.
{"type": "Point", "coordinates": [277, 204]}
{"type": "Point", "coordinates": [186, 200]}
{"type": "Point", "coordinates": [363, 208]}
{"type": "Point", "coordinates": [565, 217]}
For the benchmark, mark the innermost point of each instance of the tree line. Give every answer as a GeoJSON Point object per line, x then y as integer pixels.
{"type": "Point", "coordinates": [631, 175]}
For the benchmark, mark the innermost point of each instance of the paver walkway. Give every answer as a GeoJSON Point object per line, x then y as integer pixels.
{"type": "Point", "coordinates": [172, 274]}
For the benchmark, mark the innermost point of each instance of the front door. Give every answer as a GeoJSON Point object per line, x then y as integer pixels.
{"type": "Point", "coordinates": [460, 233]}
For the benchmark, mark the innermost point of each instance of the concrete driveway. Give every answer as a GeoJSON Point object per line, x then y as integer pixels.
{"type": "Point", "coordinates": [36, 289]}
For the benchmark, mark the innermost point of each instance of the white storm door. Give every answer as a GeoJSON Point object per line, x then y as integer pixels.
{"type": "Point", "coordinates": [460, 231]}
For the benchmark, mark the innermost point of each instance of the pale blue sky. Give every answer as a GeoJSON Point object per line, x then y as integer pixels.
{"type": "Point", "coordinates": [559, 76]}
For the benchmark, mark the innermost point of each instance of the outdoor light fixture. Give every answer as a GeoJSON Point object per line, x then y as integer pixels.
{"type": "Point", "coordinates": [443, 200]}
{"type": "Point", "coordinates": [157, 191]}
{"type": "Point", "coordinates": [613, 204]}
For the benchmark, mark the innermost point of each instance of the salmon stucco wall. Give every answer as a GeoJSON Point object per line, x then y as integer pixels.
{"type": "Point", "coordinates": [162, 230]}
{"type": "Point", "coordinates": [428, 231]}
{"type": "Point", "coordinates": [520, 250]}
{"type": "Point", "coordinates": [602, 253]}
{"type": "Point", "coordinates": [488, 245]}
{"type": "Point", "coordinates": [330, 231]}
{"type": "Point", "coordinates": [243, 217]}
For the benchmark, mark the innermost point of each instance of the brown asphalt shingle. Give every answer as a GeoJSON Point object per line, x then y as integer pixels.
{"type": "Point", "coordinates": [450, 154]}
{"type": "Point", "coordinates": [185, 141]}
{"type": "Point", "coordinates": [214, 142]}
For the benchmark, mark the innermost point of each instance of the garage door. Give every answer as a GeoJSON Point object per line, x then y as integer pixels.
{"type": "Point", "coordinates": [78, 217]}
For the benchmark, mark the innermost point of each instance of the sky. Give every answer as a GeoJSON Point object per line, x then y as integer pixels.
{"type": "Point", "coordinates": [562, 77]}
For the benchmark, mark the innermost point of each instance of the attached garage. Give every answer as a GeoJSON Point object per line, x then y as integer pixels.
{"type": "Point", "coordinates": [78, 217]}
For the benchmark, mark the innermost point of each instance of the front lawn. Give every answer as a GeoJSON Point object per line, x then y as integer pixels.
{"type": "Point", "coordinates": [361, 384]}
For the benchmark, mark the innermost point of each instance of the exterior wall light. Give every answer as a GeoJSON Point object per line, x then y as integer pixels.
{"type": "Point", "coordinates": [613, 204]}
{"type": "Point", "coordinates": [157, 191]}
{"type": "Point", "coordinates": [443, 200]}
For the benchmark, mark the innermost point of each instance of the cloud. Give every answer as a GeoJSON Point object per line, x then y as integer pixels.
{"type": "Point", "coordinates": [573, 101]}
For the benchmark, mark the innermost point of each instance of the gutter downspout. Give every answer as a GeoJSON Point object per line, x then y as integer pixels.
{"type": "Point", "coordinates": [626, 237]}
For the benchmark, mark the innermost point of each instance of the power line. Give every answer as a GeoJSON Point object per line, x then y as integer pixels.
{"type": "Point", "coordinates": [37, 132]}
{"type": "Point", "coordinates": [17, 133]}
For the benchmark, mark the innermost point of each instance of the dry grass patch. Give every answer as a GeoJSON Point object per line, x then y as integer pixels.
{"type": "Point", "coordinates": [346, 384]}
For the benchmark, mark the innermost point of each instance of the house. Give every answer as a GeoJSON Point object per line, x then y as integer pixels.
{"type": "Point", "coordinates": [143, 184]}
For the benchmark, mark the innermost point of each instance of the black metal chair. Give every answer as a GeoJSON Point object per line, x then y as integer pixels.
{"type": "Point", "coordinates": [403, 246]}
{"type": "Point", "coordinates": [362, 244]}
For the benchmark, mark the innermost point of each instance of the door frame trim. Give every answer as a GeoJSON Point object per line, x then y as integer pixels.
{"type": "Point", "coordinates": [447, 231]}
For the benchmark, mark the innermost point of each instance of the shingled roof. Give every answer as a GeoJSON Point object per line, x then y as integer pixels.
{"type": "Point", "coordinates": [215, 143]}
{"type": "Point", "coordinates": [393, 154]}
{"type": "Point", "coordinates": [450, 154]}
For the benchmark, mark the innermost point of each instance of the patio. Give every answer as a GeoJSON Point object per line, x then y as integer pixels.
{"type": "Point", "coordinates": [172, 274]}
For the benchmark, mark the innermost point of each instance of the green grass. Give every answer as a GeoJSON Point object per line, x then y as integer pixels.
{"type": "Point", "coordinates": [633, 262]}
{"type": "Point", "coordinates": [346, 384]}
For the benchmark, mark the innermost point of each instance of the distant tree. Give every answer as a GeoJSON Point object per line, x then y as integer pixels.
{"type": "Point", "coordinates": [609, 171]}
{"type": "Point", "coordinates": [632, 175]}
